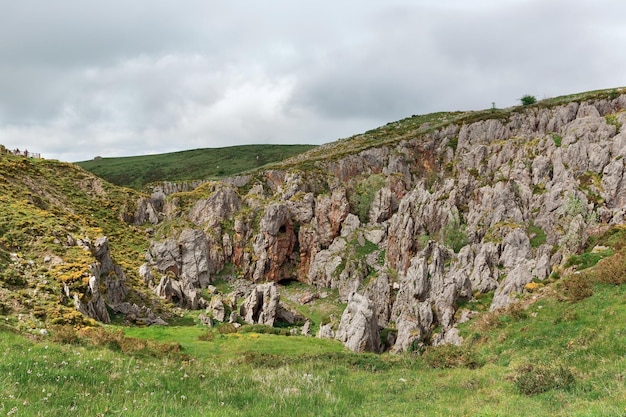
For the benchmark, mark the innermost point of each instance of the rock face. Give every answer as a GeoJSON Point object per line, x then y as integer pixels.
{"type": "Point", "coordinates": [358, 329]}
{"type": "Point", "coordinates": [184, 268]}
{"type": "Point", "coordinates": [108, 290]}
{"type": "Point", "coordinates": [432, 215]}
{"type": "Point", "coordinates": [261, 305]}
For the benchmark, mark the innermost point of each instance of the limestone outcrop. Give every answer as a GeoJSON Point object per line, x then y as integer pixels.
{"type": "Point", "coordinates": [411, 224]}
{"type": "Point", "coordinates": [108, 289]}
{"type": "Point", "coordinates": [358, 329]}
{"type": "Point", "coordinates": [261, 305]}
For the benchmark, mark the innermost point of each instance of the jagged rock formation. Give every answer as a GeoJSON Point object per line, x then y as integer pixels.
{"type": "Point", "coordinates": [413, 222]}
{"type": "Point", "coordinates": [261, 305]}
{"type": "Point", "coordinates": [358, 329]}
{"type": "Point", "coordinates": [108, 288]}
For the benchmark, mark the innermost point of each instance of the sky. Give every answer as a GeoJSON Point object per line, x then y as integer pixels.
{"type": "Point", "coordinates": [112, 78]}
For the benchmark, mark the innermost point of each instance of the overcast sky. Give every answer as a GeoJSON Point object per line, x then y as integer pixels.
{"type": "Point", "coordinates": [80, 79]}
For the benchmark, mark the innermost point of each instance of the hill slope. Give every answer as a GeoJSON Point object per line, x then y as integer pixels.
{"type": "Point", "coordinates": [51, 215]}
{"type": "Point", "coordinates": [198, 164]}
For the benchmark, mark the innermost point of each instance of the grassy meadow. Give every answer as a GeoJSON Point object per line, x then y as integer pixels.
{"type": "Point", "coordinates": [556, 356]}
{"type": "Point", "coordinates": [197, 164]}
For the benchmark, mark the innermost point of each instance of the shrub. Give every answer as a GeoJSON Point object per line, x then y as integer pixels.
{"type": "Point", "coordinates": [488, 321]}
{"type": "Point", "coordinates": [532, 379]}
{"type": "Point", "coordinates": [64, 334]}
{"type": "Point", "coordinates": [612, 270]}
{"type": "Point", "coordinates": [454, 235]}
{"type": "Point", "coordinates": [264, 360]}
{"type": "Point", "coordinates": [527, 100]}
{"type": "Point", "coordinates": [452, 356]}
{"type": "Point", "coordinates": [263, 329]}
{"type": "Point", "coordinates": [576, 287]}
{"type": "Point", "coordinates": [207, 337]}
{"type": "Point", "coordinates": [226, 328]}
{"type": "Point", "coordinates": [115, 340]}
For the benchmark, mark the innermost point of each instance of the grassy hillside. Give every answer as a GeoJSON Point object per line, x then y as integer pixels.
{"type": "Point", "coordinates": [198, 164]}
{"type": "Point", "coordinates": [555, 356]}
{"type": "Point", "coordinates": [43, 206]}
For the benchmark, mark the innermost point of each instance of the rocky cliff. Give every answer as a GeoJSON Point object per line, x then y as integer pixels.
{"type": "Point", "coordinates": [409, 221]}
{"type": "Point", "coordinates": [401, 225]}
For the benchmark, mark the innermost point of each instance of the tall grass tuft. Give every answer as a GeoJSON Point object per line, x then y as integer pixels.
{"type": "Point", "coordinates": [535, 379]}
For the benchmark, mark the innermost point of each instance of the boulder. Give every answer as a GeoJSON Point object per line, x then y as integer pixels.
{"type": "Point", "coordinates": [513, 284]}
{"type": "Point", "coordinates": [261, 305]}
{"type": "Point", "coordinates": [217, 309]}
{"type": "Point", "coordinates": [358, 328]}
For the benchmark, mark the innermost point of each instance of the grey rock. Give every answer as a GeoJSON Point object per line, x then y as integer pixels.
{"type": "Point", "coordinates": [513, 284]}
{"type": "Point", "coordinates": [221, 205]}
{"type": "Point", "coordinates": [358, 329]}
{"type": "Point", "coordinates": [326, 331]}
{"type": "Point", "coordinates": [217, 309]}
{"type": "Point", "coordinates": [261, 305]}
{"type": "Point", "coordinates": [205, 320]}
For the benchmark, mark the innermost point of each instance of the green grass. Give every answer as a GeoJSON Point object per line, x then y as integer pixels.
{"type": "Point", "coordinates": [197, 164]}
{"type": "Point", "coordinates": [556, 358]}
{"type": "Point", "coordinates": [537, 236]}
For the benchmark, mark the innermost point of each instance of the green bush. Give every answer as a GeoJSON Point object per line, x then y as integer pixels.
{"type": "Point", "coordinates": [533, 380]}
{"type": "Point", "coordinates": [528, 100]}
{"type": "Point", "coordinates": [363, 196]}
{"type": "Point", "coordinates": [452, 356]}
{"type": "Point", "coordinates": [576, 287]}
{"type": "Point", "coordinates": [226, 328]}
{"type": "Point", "coordinates": [454, 235]}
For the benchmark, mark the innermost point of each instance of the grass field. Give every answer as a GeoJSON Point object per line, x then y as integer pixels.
{"type": "Point", "coordinates": [555, 358]}
{"type": "Point", "coordinates": [197, 164]}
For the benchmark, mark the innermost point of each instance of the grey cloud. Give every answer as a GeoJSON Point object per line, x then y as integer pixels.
{"type": "Point", "coordinates": [79, 79]}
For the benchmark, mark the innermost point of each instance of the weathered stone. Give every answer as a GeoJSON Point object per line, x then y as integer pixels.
{"type": "Point", "coordinates": [308, 297]}
{"type": "Point", "coordinates": [358, 329]}
{"type": "Point", "coordinates": [261, 305]}
{"type": "Point", "coordinates": [194, 252]}
{"type": "Point", "coordinates": [512, 284]}
{"type": "Point", "coordinates": [205, 320]}
{"type": "Point", "coordinates": [326, 331]}
{"type": "Point", "coordinates": [221, 205]}
{"type": "Point", "coordinates": [217, 309]}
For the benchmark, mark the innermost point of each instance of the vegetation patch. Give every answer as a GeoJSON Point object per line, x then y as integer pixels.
{"type": "Point", "coordinates": [454, 235]}
{"type": "Point", "coordinates": [537, 235]}
{"type": "Point", "coordinates": [557, 140]}
{"type": "Point", "coordinates": [587, 259]}
{"type": "Point", "coordinates": [575, 287]}
{"type": "Point", "coordinates": [363, 195]}
{"type": "Point", "coordinates": [611, 119]}
{"type": "Point", "coordinates": [536, 379]}
{"type": "Point", "coordinates": [452, 356]}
